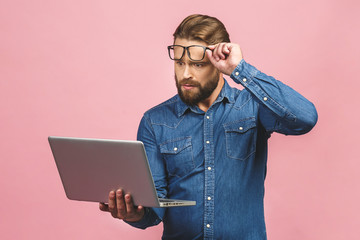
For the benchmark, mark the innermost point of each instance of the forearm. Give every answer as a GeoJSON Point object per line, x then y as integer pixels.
{"type": "Point", "coordinates": [281, 109]}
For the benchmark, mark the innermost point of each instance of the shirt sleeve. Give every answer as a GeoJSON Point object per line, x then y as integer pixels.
{"type": "Point", "coordinates": [150, 219]}
{"type": "Point", "coordinates": [281, 109]}
{"type": "Point", "coordinates": [152, 216]}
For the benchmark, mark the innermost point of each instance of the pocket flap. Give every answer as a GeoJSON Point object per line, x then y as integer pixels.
{"type": "Point", "coordinates": [175, 146]}
{"type": "Point", "coordinates": [240, 126]}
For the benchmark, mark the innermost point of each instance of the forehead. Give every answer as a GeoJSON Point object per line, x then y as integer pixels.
{"type": "Point", "coordinates": [187, 42]}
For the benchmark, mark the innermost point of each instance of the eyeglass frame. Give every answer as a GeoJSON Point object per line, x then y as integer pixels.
{"type": "Point", "coordinates": [187, 50]}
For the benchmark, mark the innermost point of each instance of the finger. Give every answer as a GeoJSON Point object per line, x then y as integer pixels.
{"type": "Point", "coordinates": [112, 203]}
{"type": "Point", "coordinates": [103, 207]}
{"type": "Point", "coordinates": [227, 49]}
{"type": "Point", "coordinates": [133, 212]}
{"type": "Point", "coordinates": [129, 204]}
{"type": "Point", "coordinates": [140, 209]}
{"type": "Point", "coordinates": [213, 49]}
{"type": "Point", "coordinates": [219, 51]}
{"type": "Point", "coordinates": [215, 53]}
{"type": "Point", "coordinates": [120, 204]}
{"type": "Point", "coordinates": [211, 57]}
{"type": "Point", "coordinates": [210, 54]}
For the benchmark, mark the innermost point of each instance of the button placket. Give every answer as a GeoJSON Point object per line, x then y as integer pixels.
{"type": "Point", "coordinates": [209, 175]}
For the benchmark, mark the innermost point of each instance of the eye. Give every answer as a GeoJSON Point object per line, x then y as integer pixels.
{"type": "Point", "coordinates": [199, 65]}
{"type": "Point", "coordinates": [179, 63]}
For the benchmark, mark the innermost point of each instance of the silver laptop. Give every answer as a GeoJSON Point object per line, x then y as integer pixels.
{"type": "Point", "coordinates": [90, 168]}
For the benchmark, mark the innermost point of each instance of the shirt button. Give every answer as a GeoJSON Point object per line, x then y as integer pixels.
{"type": "Point", "coordinates": [207, 117]}
{"type": "Point", "coordinates": [207, 142]}
{"type": "Point", "coordinates": [265, 98]}
{"type": "Point", "coordinates": [240, 128]}
{"type": "Point", "coordinates": [237, 73]}
{"type": "Point", "coordinates": [175, 149]}
{"type": "Point", "coordinates": [209, 198]}
{"type": "Point", "coordinates": [208, 225]}
{"type": "Point", "coordinates": [209, 168]}
{"type": "Point", "coordinates": [244, 79]}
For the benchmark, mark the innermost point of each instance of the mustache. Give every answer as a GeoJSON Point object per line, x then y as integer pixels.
{"type": "Point", "coordinates": [188, 82]}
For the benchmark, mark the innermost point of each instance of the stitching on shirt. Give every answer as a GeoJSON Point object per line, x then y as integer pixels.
{"type": "Point", "coordinates": [246, 102]}
{"type": "Point", "coordinates": [264, 94]}
{"type": "Point", "coordinates": [174, 140]}
{"type": "Point", "coordinates": [164, 124]}
{"type": "Point", "coordinates": [287, 113]}
{"type": "Point", "coordinates": [237, 121]}
{"type": "Point", "coordinates": [152, 129]}
{"type": "Point", "coordinates": [277, 104]}
{"type": "Point", "coordinates": [242, 159]}
{"type": "Point", "coordinates": [291, 115]}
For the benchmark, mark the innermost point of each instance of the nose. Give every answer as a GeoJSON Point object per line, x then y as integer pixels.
{"type": "Point", "coordinates": [187, 72]}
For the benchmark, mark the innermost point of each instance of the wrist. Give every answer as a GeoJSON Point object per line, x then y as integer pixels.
{"type": "Point", "coordinates": [136, 218]}
{"type": "Point", "coordinates": [238, 68]}
{"type": "Point", "coordinates": [232, 68]}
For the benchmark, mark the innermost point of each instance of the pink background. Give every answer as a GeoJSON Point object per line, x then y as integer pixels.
{"type": "Point", "coordinates": [91, 68]}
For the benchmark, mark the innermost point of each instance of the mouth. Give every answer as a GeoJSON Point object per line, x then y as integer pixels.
{"type": "Point", "coordinates": [188, 86]}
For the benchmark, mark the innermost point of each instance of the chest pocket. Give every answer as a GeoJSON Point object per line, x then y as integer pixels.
{"type": "Point", "coordinates": [240, 138]}
{"type": "Point", "coordinates": [178, 155]}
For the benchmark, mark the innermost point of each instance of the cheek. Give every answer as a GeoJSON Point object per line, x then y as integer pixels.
{"type": "Point", "coordinates": [178, 72]}
{"type": "Point", "coordinates": [203, 74]}
{"type": "Point", "coordinates": [208, 70]}
{"type": "Point", "coordinates": [177, 77]}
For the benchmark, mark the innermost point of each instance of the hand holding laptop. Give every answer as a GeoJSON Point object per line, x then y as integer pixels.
{"type": "Point", "coordinates": [122, 207]}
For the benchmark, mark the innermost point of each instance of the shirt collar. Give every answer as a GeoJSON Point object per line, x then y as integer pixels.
{"type": "Point", "coordinates": [225, 93]}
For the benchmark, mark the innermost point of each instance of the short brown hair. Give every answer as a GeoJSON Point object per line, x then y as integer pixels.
{"type": "Point", "coordinates": [203, 28]}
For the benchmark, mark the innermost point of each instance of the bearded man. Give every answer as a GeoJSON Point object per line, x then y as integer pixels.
{"type": "Point", "coordinates": [209, 142]}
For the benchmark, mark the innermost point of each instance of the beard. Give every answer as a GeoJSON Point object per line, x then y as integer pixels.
{"type": "Point", "coordinates": [198, 93]}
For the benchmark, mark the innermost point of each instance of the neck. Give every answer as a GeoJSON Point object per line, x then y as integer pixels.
{"type": "Point", "coordinates": [205, 104]}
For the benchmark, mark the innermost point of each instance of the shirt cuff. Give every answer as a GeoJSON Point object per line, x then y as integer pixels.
{"type": "Point", "coordinates": [246, 75]}
{"type": "Point", "coordinates": [242, 72]}
{"type": "Point", "coordinates": [150, 218]}
{"type": "Point", "coordinates": [239, 68]}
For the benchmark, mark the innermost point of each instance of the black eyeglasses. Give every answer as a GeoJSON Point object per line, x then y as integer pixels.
{"type": "Point", "coordinates": [195, 52]}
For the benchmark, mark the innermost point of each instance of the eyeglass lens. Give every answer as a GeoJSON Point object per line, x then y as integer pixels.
{"type": "Point", "coordinates": [196, 53]}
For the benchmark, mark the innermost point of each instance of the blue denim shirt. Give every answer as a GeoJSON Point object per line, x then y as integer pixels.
{"type": "Point", "coordinates": [218, 158]}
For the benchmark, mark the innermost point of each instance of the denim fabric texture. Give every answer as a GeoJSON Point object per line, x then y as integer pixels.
{"type": "Point", "coordinates": [218, 158]}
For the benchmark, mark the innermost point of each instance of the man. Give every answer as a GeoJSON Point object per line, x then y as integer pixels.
{"type": "Point", "coordinates": [209, 142]}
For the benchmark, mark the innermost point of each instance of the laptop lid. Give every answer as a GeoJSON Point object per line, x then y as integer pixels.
{"type": "Point", "coordinates": [90, 168]}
